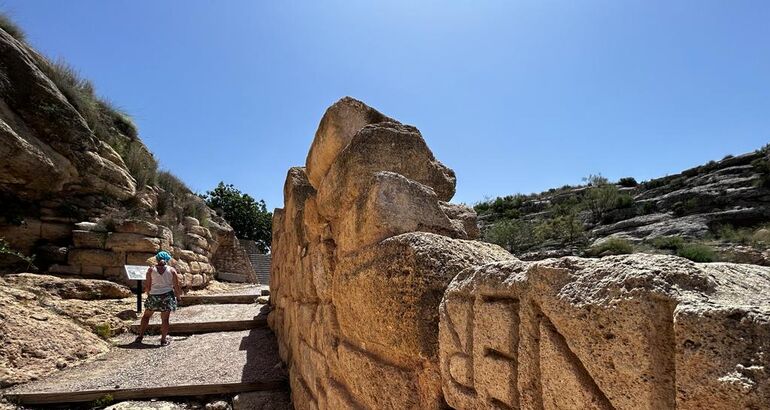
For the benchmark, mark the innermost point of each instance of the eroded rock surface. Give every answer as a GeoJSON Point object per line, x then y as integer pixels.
{"type": "Point", "coordinates": [361, 257]}
{"type": "Point", "coordinates": [626, 332]}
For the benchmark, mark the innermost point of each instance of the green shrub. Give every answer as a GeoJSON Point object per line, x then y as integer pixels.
{"type": "Point", "coordinates": [628, 182]}
{"type": "Point", "coordinates": [602, 197]}
{"type": "Point", "coordinates": [103, 330]}
{"type": "Point", "coordinates": [697, 252]}
{"type": "Point", "coordinates": [611, 246]}
{"type": "Point", "coordinates": [11, 28]}
{"type": "Point", "coordinates": [513, 235]}
{"type": "Point", "coordinates": [668, 242]}
{"type": "Point", "coordinates": [103, 401]}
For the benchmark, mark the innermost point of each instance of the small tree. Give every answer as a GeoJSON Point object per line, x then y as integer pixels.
{"type": "Point", "coordinates": [602, 197]}
{"type": "Point", "coordinates": [248, 217]}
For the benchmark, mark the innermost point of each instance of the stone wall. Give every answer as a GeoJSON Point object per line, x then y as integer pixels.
{"type": "Point", "coordinates": [232, 257]}
{"type": "Point", "coordinates": [100, 251]}
{"type": "Point", "coordinates": [379, 301]}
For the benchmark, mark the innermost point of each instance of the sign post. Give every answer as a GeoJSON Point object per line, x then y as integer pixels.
{"type": "Point", "coordinates": [137, 273]}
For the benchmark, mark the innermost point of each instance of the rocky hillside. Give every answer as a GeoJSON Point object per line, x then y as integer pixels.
{"type": "Point", "coordinates": [717, 211]}
{"type": "Point", "coordinates": [80, 194]}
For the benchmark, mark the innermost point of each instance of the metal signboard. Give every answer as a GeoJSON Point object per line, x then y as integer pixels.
{"type": "Point", "coordinates": [136, 272]}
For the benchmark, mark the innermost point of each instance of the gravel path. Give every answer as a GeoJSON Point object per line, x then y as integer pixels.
{"type": "Point", "coordinates": [226, 357]}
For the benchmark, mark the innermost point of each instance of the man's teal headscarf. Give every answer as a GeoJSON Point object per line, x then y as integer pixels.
{"type": "Point", "coordinates": [163, 256]}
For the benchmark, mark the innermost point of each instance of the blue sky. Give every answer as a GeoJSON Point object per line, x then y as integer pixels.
{"type": "Point", "coordinates": [514, 96]}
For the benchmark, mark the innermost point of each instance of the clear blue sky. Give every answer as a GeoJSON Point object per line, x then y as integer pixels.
{"type": "Point", "coordinates": [514, 96]}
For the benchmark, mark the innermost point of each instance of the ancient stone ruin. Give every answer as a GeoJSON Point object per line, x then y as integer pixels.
{"type": "Point", "coordinates": [382, 299]}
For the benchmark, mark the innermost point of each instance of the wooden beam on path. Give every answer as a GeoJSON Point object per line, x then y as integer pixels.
{"type": "Point", "coordinates": [189, 300]}
{"type": "Point", "coordinates": [185, 328]}
{"type": "Point", "coordinates": [145, 393]}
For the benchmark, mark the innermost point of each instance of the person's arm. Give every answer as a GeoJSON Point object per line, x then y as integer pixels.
{"type": "Point", "coordinates": [148, 281]}
{"type": "Point", "coordinates": [177, 288]}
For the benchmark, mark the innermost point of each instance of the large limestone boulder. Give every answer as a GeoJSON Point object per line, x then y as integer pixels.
{"type": "Point", "coordinates": [69, 288]}
{"type": "Point", "coordinates": [382, 147]}
{"type": "Point", "coordinates": [625, 332]}
{"type": "Point", "coordinates": [391, 205]}
{"type": "Point", "coordinates": [338, 126]}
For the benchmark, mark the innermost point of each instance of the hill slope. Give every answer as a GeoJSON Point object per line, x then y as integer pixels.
{"type": "Point", "coordinates": [717, 211]}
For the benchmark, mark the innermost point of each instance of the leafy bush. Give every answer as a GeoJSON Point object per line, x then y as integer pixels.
{"type": "Point", "coordinates": [602, 197]}
{"type": "Point", "coordinates": [248, 217]}
{"type": "Point", "coordinates": [11, 28]}
{"type": "Point", "coordinates": [611, 246]}
{"type": "Point", "coordinates": [628, 182]}
{"type": "Point", "coordinates": [697, 252]}
{"type": "Point", "coordinates": [513, 235]}
{"type": "Point", "coordinates": [668, 242]}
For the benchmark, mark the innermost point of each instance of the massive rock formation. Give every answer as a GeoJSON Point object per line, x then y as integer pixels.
{"type": "Point", "coordinates": [380, 301]}
{"type": "Point", "coordinates": [67, 196]}
{"type": "Point", "coordinates": [360, 264]}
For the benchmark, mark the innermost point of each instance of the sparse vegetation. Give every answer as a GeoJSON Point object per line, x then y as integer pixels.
{"type": "Point", "coordinates": [5, 249]}
{"type": "Point", "coordinates": [758, 237]}
{"type": "Point", "coordinates": [671, 243]}
{"type": "Point", "coordinates": [602, 197]}
{"type": "Point", "coordinates": [628, 182]}
{"type": "Point", "coordinates": [11, 28]}
{"type": "Point", "coordinates": [103, 401]}
{"type": "Point", "coordinates": [140, 163]}
{"type": "Point", "coordinates": [611, 246]}
{"type": "Point", "coordinates": [697, 252]}
{"type": "Point", "coordinates": [103, 330]}
{"type": "Point", "coordinates": [762, 167]}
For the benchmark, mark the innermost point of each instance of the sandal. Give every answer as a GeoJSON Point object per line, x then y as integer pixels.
{"type": "Point", "coordinates": [138, 340]}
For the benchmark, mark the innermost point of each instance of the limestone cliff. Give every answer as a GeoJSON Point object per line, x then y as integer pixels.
{"type": "Point", "coordinates": [78, 188]}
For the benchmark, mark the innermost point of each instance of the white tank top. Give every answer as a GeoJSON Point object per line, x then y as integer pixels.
{"type": "Point", "coordinates": [162, 283]}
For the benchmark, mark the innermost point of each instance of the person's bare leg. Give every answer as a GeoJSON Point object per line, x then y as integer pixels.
{"type": "Point", "coordinates": [164, 317]}
{"type": "Point", "coordinates": [146, 316]}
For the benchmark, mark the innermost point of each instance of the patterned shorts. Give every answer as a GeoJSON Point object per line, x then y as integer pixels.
{"type": "Point", "coordinates": [161, 303]}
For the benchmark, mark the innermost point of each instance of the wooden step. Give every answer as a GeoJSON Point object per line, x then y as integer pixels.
{"type": "Point", "coordinates": [34, 398]}
{"type": "Point", "coordinates": [210, 318]}
{"type": "Point", "coordinates": [204, 327]}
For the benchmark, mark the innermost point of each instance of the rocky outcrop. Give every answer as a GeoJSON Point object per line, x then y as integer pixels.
{"type": "Point", "coordinates": [46, 145]}
{"type": "Point", "coordinates": [383, 304]}
{"type": "Point", "coordinates": [625, 332]}
{"type": "Point", "coordinates": [364, 238]}
{"type": "Point", "coordinates": [69, 198]}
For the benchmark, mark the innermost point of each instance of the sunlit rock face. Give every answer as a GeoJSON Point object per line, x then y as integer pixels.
{"type": "Point", "coordinates": [362, 252]}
